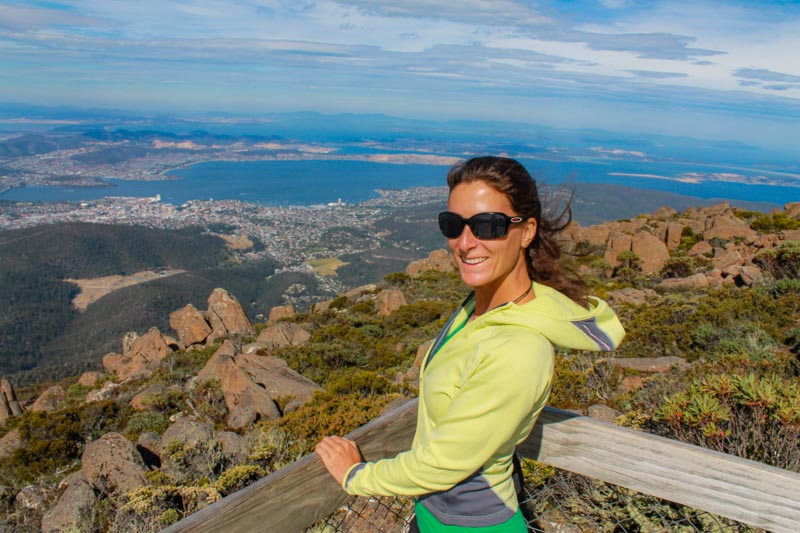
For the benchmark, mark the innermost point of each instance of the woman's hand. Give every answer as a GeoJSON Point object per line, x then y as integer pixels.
{"type": "Point", "coordinates": [338, 455]}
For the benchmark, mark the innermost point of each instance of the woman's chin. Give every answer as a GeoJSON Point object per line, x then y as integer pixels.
{"type": "Point", "coordinates": [473, 279]}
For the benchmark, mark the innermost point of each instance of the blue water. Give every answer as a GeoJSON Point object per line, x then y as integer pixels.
{"type": "Point", "coordinates": [315, 182]}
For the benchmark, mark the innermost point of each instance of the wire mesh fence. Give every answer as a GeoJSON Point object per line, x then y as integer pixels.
{"type": "Point", "coordinates": [552, 501]}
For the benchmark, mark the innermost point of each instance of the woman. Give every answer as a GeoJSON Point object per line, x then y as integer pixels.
{"type": "Point", "coordinates": [487, 375]}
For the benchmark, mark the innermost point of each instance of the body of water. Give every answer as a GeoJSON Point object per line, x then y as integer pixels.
{"type": "Point", "coordinates": [317, 182]}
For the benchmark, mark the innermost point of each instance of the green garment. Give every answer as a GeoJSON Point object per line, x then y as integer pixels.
{"type": "Point", "coordinates": [428, 523]}
{"type": "Point", "coordinates": [481, 390]}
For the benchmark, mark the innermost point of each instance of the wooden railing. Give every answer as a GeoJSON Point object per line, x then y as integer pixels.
{"type": "Point", "coordinates": [299, 495]}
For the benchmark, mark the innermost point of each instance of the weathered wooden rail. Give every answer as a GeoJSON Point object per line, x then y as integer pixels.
{"type": "Point", "coordinates": [297, 496]}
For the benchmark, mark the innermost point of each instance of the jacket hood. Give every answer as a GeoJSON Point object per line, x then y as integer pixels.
{"type": "Point", "coordinates": [563, 322]}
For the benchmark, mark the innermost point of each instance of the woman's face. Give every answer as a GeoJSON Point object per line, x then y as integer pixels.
{"type": "Point", "coordinates": [488, 264]}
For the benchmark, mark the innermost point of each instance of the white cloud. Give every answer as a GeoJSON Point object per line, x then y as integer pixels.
{"type": "Point", "coordinates": [703, 53]}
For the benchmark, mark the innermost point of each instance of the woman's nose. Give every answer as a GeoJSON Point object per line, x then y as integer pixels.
{"type": "Point", "coordinates": [467, 240]}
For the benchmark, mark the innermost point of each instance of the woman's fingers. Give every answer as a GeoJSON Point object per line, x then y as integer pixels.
{"type": "Point", "coordinates": [338, 455]}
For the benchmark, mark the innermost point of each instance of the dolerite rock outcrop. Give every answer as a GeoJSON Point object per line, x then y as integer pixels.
{"type": "Point", "coordinates": [190, 324]}
{"type": "Point", "coordinates": [9, 406]}
{"type": "Point", "coordinates": [251, 383]}
{"type": "Point", "coordinates": [727, 242]}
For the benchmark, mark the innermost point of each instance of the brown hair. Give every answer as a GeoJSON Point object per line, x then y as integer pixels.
{"type": "Point", "coordinates": [542, 256]}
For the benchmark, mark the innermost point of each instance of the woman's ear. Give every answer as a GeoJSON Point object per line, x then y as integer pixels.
{"type": "Point", "coordinates": [529, 232]}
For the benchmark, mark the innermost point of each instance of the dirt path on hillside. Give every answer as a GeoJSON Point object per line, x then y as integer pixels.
{"type": "Point", "coordinates": [95, 288]}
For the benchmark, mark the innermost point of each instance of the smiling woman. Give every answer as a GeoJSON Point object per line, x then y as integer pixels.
{"type": "Point", "coordinates": [487, 376]}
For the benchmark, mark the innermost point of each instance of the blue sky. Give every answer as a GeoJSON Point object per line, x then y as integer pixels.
{"type": "Point", "coordinates": [702, 68]}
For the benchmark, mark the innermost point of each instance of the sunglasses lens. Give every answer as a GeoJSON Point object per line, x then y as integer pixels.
{"type": "Point", "coordinates": [488, 226]}
{"type": "Point", "coordinates": [450, 224]}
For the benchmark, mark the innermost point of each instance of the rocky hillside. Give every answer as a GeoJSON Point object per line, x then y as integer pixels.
{"type": "Point", "coordinates": [703, 247]}
{"type": "Point", "coordinates": [175, 420]}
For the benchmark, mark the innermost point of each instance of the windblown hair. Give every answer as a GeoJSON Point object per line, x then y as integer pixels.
{"type": "Point", "coordinates": [542, 256]}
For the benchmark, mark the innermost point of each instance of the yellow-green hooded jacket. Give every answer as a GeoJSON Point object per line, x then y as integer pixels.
{"type": "Point", "coordinates": [482, 385]}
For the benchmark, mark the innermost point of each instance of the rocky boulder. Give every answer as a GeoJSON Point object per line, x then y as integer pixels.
{"type": "Point", "coordinates": [188, 433]}
{"type": "Point", "coordinates": [664, 213]}
{"type": "Point", "coordinates": [10, 442]}
{"type": "Point", "coordinates": [726, 258]}
{"type": "Point", "coordinates": [695, 281]}
{"type": "Point", "coordinates": [790, 235]}
{"type": "Point", "coordinates": [280, 311]}
{"type": "Point", "coordinates": [603, 413]}
{"type": "Point", "coordinates": [283, 334]}
{"type": "Point", "coordinates": [75, 509]}
{"type": "Point", "coordinates": [274, 376]}
{"type": "Point", "coordinates": [123, 366]}
{"type": "Point", "coordinates": [112, 465]}
{"type": "Point", "coordinates": [90, 379]}
{"type": "Point", "coordinates": [635, 297]}
{"type": "Point", "coordinates": [748, 276]}
{"type": "Point", "coordinates": [190, 325]}
{"type": "Point", "coordinates": [104, 393]}
{"type": "Point", "coordinates": [617, 243]}
{"type": "Point", "coordinates": [50, 400]}
{"type": "Point", "coordinates": [596, 235]}
{"type": "Point", "coordinates": [730, 227]}
{"type": "Point", "coordinates": [321, 307]}
{"type": "Point", "coordinates": [189, 450]}
{"type": "Point", "coordinates": [152, 347]}
{"type": "Point", "coordinates": [630, 383]}
{"type": "Point", "coordinates": [234, 446]}
{"type": "Point", "coordinates": [359, 292]}
{"type": "Point", "coordinates": [792, 209]}
{"type": "Point", "coordinates": [9, 406]}
{"type": "Point", "coordinates": [140, 355]}
{"type": "Point", "coordinates": [390, 300]}
{"type": "Point", "coordinates": [701, 248]}
{"type": "Point", "coordinates": [149, 447]}
{"type": "Point", "coordinates": [673, 233]}
{"type": "Point", "coordinates": [246, 400]}
{"type": "Point", "coordinates": [650, 250]}
{"type": "Point", "coordinates": [144, 400]}
{"type": "Point", "coordinates": [33, 497]}
{"type": "Point", "coordinates": [439, 260]}
{"type": "Point", "coordinates": [226, 315]}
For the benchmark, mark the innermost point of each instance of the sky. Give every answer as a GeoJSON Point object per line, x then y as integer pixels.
{"type": "Point", "coordinates": [712, 69]}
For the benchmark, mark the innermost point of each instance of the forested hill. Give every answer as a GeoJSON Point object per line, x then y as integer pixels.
{"type": "Point", "coordinates": [39, 325]}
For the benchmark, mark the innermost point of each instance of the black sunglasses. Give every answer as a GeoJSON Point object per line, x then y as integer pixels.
{"type": "Point", "coordinates": [483, 225]}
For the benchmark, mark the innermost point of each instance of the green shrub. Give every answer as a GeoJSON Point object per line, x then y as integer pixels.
{"type": "Point", "coordinates": [745, 415]}
{"type": "Point", "coordinates": [145, 421]}
{"type": "Point", "coordinates": [208, 399]}
{"type": "Point", "coordinates": [190, 463]}
{"type": "Point", "coordinates": [237, 477]}
{"type": "Point", "coordinates": [777, 221]}
{"type": "Point", "coordinates": [356, 380]}
{"type": "Point", "coordinates": [678, 267]}
{"type": "Point", "coordinates": [273, 447]}
{"type": "Point", "coordinates": [366, 307]}
{"type": "Point", "coordinates": [396, 278]}
{"type": "Point", "coordinates": [338, 303]}
{"type": "Point", "coordinates": [328, 414]}
{"type": "Point", "coordinates": [55, 440]}
{"type": "Point", "coordinates": [674, 325]}
{"type": "Point", "coordinates": [688, 239]}
{"type": "Point", "coordinates": [418, 314]}
{"type": "Point", "coordinates": [153, 508]}
{"type": "Point", "coordinates": [781, 262]}
{"type": "Point", "coordinates": [580, 380]}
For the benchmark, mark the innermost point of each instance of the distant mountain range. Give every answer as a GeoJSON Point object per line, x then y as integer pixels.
{"type": "Point", "coordinates": [449, 136]}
